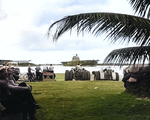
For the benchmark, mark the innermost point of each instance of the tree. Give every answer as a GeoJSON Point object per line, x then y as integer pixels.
{"type": "Point", "coordinates": [119, 28]}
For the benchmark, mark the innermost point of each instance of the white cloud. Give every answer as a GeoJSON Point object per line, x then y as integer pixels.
{"type": "Point", "coordinates": [23, 31]}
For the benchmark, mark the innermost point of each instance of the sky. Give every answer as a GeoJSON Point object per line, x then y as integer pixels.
{"type": "Point", "coordinates": [24, 25]}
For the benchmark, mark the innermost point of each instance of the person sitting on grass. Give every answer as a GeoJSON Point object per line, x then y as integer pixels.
{"type": "Point", "coordinates": [13, 98]}
{"type": "Point", "coordinates": [135, 73]}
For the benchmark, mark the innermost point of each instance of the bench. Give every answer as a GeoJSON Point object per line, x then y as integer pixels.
{"type": "Point", "coordinates": [48, 76]}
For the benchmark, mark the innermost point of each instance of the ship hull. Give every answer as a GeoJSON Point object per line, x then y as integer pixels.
{"type": "Point", "coordinates": [83, 62]}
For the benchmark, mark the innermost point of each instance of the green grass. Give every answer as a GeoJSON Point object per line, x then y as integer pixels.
{"type": "Point", "coordinates": [78, 100]}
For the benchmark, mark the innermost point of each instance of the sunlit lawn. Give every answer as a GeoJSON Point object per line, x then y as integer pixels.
{"type": "Point", "coordinates": [78, 100]}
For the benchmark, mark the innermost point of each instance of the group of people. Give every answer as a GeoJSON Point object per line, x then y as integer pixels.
{"type": "Point", "coordinates": [15, 96]}
{"type": "Point", "coordinates": [39, 71]}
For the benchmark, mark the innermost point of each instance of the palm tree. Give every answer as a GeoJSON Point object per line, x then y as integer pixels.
{"type": "Point", "coordinates": [119, 28]}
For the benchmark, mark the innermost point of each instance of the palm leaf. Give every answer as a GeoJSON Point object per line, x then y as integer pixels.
{"type": "Point", "coordinates": [118, 27]}
{"type": "Point", "coordinates": [130, 55]}
{"type": "Point", "coordinates": [148, 14]}
{"type": "Point", "coordinates": [141, 6]}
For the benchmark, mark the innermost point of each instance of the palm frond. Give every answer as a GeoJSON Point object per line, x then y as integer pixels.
{"type": "Point", "coordinates": [140, 6]}
{"type": "Point", "coordinates": [129, 55]}
{"type": "Point", "coordinates": [117, 26]}
{"type": "Point", "coordinates": [148, 14]}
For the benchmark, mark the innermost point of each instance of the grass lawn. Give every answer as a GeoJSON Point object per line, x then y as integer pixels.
{"type": "Point", "coordinates": [78, 100]}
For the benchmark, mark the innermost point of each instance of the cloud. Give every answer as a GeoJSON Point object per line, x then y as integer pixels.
{"type": "Point", "coordinates": [3, 14]}
{"type": "Point", "coordinates": [23, 31]}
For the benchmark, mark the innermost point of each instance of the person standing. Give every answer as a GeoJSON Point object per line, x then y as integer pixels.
{"type": "Point", "coordinates": [30, 74]}
{"type": "Point", "coordinates": [30, 69]}
{"type": "Point", "coordinates": [38, 73]}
